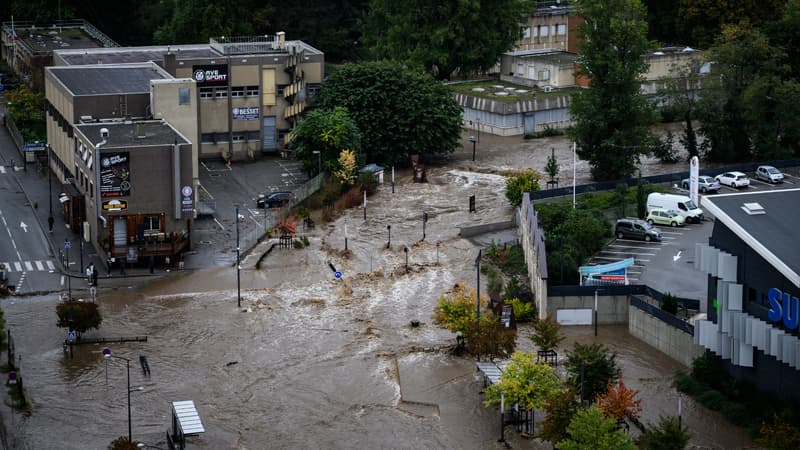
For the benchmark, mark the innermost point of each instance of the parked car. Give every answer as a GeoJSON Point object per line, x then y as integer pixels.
{"type": "Point", "coordinates": [769, 174]}
{"type": "Point", "coordinates": [665, 217]}
{"type": "Point", "coordinates": [273, 200]}
{"type": "Point", "coordinates": [704, 184]}
{"type": "Point", "coordinates": [733, 179]}
{"type": "Point", "coordinates": [636, 229]}
{"type": "Point", "coordinates": [672, 202]}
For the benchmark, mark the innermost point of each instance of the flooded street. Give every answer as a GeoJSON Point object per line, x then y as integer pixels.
{"type": "Point", "coordinates": [310, 361]}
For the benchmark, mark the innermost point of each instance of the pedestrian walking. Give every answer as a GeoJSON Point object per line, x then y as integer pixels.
{"type": "Point", "coordinates": [50, 222]}
{"type": "Point", "coordinates": [94, 276]}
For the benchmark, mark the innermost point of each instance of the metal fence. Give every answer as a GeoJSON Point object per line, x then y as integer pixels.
{"type": "Point", "coordinates": [662, 315]}
{"type": "Point", "coordinates": [631, 289]}
{"type": "Point", "coordinates": [272, 216]}
{"type": "Point", "coordinates": [656, 179]}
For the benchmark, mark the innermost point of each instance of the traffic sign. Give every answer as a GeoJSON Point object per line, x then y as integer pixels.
{"type": "Point", "coordinates": [106, 352]}
{"type": "Point", "coordinates": [337, 275]}
{"type": "Point", "coordinates": [67, 245]}
{"type": "Point", "coordinates": [72, 336]}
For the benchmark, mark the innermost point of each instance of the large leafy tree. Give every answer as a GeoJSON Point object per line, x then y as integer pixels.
{"type": "Point", "coordinates": [698, 22]}
{"type": "Point", "coordinates": [591, 430]}
{"type": "Point", "coordinates": [525, 382]}
{"type": "Point", "coordinates": [399, 111]}
{"type": "Point", "coordinates": [611, 117]}
{"type": "Point", "coordinates": [325, 131]}
{"type": "Point", "coordinates": [747, 108]}
{"type": "Point", "coordinates": [444, 37]}
{"type": "Point", "coordinates": [599, 368]}
{"type": "Point", "coordinates": [78, 316]}
{"type": "Point", "coordinates": [194, 21]}
{"type": "Point", "coordinates": [561, 409]}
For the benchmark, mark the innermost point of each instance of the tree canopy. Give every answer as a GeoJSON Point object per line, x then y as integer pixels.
{"type": "Point", "coordinates": [525, 382]}
{"type": "Point", "coordinates": [444, 37]}
{"type": "Point", "coordinates": [599, 368]}
{"type": "Point", "coordinates": [398, 111]}
{"type": "Point", "coordinates": [591, 430]}
{"type": "Point", "coordinates": [327, 131]}
{"type": "Point", "coordinates": [611, 117]}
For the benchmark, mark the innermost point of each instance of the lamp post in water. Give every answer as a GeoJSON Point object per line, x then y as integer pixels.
{"type": "Point", "coordinates": [238, 265]}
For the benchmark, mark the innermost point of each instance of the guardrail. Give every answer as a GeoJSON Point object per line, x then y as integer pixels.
{"type": "Point", "coordinates": [662, 315]}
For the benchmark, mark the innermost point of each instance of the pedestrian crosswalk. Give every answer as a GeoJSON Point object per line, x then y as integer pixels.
{"type": "Point", "coordinates": [29, 266]}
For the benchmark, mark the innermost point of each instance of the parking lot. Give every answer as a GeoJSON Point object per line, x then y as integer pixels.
{"type": "Point", "coordinates": [668, 266]}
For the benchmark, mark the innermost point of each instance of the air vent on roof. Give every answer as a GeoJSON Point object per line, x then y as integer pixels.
{"type": "Point", "coordinates": [753, 209]}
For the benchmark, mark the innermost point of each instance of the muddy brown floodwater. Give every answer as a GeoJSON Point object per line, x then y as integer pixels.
{"type": "Point", "coordinates": [311, 361]}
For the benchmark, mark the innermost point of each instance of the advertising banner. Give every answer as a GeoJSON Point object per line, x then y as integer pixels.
{"type": "Point", "coordinates": [694, 172]}
{"type": "Point", "coordinates": [115, 175]}
{"type": "Point", "coordinates": [210, 75]}
{"type": "Point", "coordinates": [246, 113]}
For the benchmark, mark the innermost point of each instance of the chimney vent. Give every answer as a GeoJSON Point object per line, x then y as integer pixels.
{"type": "Point", "coordinates": [753, 209]}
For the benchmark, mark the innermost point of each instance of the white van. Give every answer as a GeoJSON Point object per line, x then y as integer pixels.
{"type": "Point", "coordinates": [680, 203]}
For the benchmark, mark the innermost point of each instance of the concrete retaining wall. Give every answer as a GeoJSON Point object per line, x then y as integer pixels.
{"type": "Point", "coordinates": [612, 309]}
{"type": "Point", "coordinates": [667, 339]}
{"type": "Point", "coordinates": [475, 230]}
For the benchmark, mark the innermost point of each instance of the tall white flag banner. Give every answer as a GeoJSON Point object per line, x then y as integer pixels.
{"type": "Point", "coordinates": [694, 172]}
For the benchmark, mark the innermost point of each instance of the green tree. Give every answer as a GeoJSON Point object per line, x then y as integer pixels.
{"type": "Point", "coordinates": [552, 168]}
{"type": "Point", "coordinates": [571, 236]}
{"type": "Point", "coordinates": [25, 107]}
{"type": "Point", "coordinates": [78, 316]}
{"type": "Point", "coordinates": [699, 22]}
{"type": "Point", "coordinates": [346, 171]}
{"type": "Point", "coordinates": [680, 94]}
{"type": "Point", "coordinates": [668, 435]}
{"type": "Point", "coordinates": [326, 131]}
{"type": "Point", "coordinates": [398, 111]}
{"type": "Point", "coordinates": [621, 192]}
{"type": "Point", "coordinates": [669, 303]}
{"type": "Point", "coordinates": [599, 368]}
{"type": "Point", "coordinates": [641, 197]}
{"type": "Point", "coordinates": [527, 181]}
{"type": "Point", "coordinates": [195, 21]}
{"type": "Point", "coordinates": [524, 382]}
{"type": "Point", "coordinates": [591, 430]}
{"type": "Point", "coordinates": [489, 338]}
{"type": "Point", "coordinates": [611, 117]}
{"type": "Point", "coordinates": [456, 310]}
{"type": "Point", "coordinates": [561, 409]}
{"type": "Point", "coordinates": [547, 333]}
{"type": "Point", "coordinates": [443, 37]}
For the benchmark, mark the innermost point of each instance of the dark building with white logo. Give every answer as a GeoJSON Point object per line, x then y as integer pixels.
{"type": "Point", "coordinates": [753, 262]}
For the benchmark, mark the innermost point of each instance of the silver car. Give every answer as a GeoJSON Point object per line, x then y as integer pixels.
{"type": "Point", "coordinates": [704, 184]}
{"type": "Point", "coordinates": [769, 174]}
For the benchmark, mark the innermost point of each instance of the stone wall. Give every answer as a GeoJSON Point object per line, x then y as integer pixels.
{"type": "Point", "coordinates": [531, 238]}
{"type": "Point", "coordinates": [611, 309]}
{"type": "Point", "coordinates": [669, 340]}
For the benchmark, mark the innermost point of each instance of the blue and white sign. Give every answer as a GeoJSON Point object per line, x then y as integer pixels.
{"type": "Point", "coordinates": [246, 113]}
{"type": "Point", "coordinates": [72, 336]}
{"type": "Point", "coordinates": [784, 307]}
{"type": "Point", "coordinates": [67, 245]}
{"type": "Point", "coordinates": [337, 275]}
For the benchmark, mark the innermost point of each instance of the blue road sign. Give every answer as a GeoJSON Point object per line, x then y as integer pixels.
{"type": "Point", "coordinates": [67, 244]}
{"type": "Point", "coordinates": [338, 275]}
{"type": "Point", "coordinates": [72, 336]}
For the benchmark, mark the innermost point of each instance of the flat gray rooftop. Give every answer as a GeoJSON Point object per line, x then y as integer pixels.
{"type": "Point", "coordinates": [101, 80]}
{"type": "Point", "coordinates": [127, 55]}
{"type": "Point", "coordinates": [132, 134]}
{"type": "Point", "coordinates": [776, 230]}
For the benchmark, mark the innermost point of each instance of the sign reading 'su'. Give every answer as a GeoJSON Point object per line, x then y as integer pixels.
{"type": "Point", "coordinates": [784, 307]}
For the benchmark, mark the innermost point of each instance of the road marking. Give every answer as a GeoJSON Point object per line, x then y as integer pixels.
{"type": "Point", "coordinates": [626, 246]}
{"type": "Point", "coordinates": [28, 265]}
{"type": "Point", "coordinates": [39, 265]}
{"type": "Point", "coordinates": [62, 280]}
{"type": "Point", "coordinates": [677, 256]}
{"type": "Point", "coordinates": [50, 265]}
{"type": "Point", "coordinates": [220, 225]}
{"type": "Point", "coordinates": [18, 266]}
{"type": "Point", "coordinates": [3, 170]}
{"type": "Point", "coordinates": [23, 226]}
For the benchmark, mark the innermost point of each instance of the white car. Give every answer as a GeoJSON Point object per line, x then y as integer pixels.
{"type": "Point", "coordinates": [733, 179]}
{"type": "Point", "coordinates": [769, 174]}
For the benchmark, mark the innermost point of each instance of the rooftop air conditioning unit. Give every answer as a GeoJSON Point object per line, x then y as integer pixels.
{"type": "Point", "coordinates": [87, 119]}
{"type": "Point", "coordinates": [547, 88]}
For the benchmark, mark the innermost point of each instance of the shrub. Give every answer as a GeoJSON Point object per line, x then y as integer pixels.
{"type": "Point", "coordinates": [711, 399]}
{"type": "Point", "coordinates": [489, 338]}
{"type": "Point", "coordinates": [456, 310]}
{"type": "Point", "coordinates": [669, 303]}
{"type": "Point", "coordinates": [78, 316]}
{"type": "Point", "coordinates": [599, 367]}
{"type": "Point", "coordinates": [736, 413]}
{"type": "Point", "coordinates": [666, 435]}
{"type": "Point", "coordinates": [305, 240]}
{"type": "Point", "coordinates": [352, 198]}
{"type": "Point", "coordinates": [367, 182]}
{"type": "Point", "coordinates": [527, 181]}
{"type": "Point", "coordinates": [297, 243]}
{"type": "Point", "coordinates": [546, 333]}
{"type": "Point", "coordinates": [522, 310]}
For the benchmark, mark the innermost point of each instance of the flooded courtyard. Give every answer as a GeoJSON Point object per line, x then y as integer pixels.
{"type": "Point", "coordinates": [311, 361]}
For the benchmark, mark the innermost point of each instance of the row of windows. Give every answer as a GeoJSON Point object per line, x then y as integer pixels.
{"type": "Point", "coordinates": [83, 180]}
{"type": "Point", "coordinates": [236, 136]}
{"type": "Point", "coordinates": [236, 91]}
{"type": "Point", "coordinates": [544, 30]}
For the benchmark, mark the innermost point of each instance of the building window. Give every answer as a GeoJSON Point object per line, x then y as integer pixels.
{"type": "Point", "coordinates": [238, 136]}
{"type": "Point", "coordinates": [536, 31]}
{"type": "Point", "coordinates": [543, 31]}
{"type": "Point", "coordinates": [152, 223]}
{"type": "Point", "coordinates": [221, 93]}
{"type": "Point", "coordinates": [562, 29]}
{"type": "Point", "coordinates": [207, 138]}
{"type": "Point", "coordinates": [253, 136]}
{"type": "Point", "coordinates": [206, 93]}
{"type": "Point", "coordinates": [544, 75]}
{"type": "Point", "coordinates": [183, 96]}
{"type": "Point", "coordinates": [520, 70]}
{"type": "Point", "coordinates": [237, 91]}
{"type": "Point", "coordinates": [251, 91]}
{"type": "Point", "coordinates": [526, 32]}
{"type": "Point", "coordinates": [553, 30]}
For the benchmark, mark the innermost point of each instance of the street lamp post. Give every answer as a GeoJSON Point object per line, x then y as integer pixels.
{"type": "Point", "coordinates": [389, 230]}
{"type": "Point", "coordinates": [478, 290]}
{"type": "Point", "coordinates": [67, 245]}
{"type": "Point", "coordinates": [107, 354]}
{"type": "Point", "coordinates": [238, 266]}
{"type": "Point", "coordinates": [319, 161]}
{"type": "Point", "coordinates": [474, 141]}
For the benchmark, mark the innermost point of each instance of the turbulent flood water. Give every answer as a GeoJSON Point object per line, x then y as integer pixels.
{"type": "Point", "coordinates": [308, 361]}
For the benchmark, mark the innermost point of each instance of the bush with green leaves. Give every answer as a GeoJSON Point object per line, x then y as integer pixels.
{"type": "Point", "coordinates": [591, 430]}
{"type": "Point", "coordinates": [78, 316]}
{"type": "Point", "coordinates": [561, 409]}
{"type": "Point", "coordinates": [547, 333]}
{"type": "Point", "coordinates": [527, 181]}
{"type": "Point", "coordinates": [522, 310]}
{"type": "Point", "coordinates": [525, 382]}
{"type": "Point", "coordinates": [668, 434]}
{"type": "Point", "coordinates": [456, 310]}
{"type": "Point", "coordinates": [489, 338]}
{"type": "Point", "coordinates": [669, 303]}
{"type": "Point", "coordinates": [599, 368]}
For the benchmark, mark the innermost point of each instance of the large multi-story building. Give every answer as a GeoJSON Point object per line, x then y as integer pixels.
{"type": "Point", "coordinates": [28, 48]}
{"type": "Point", "coordinates": [234, 98]}
{"type": "Point", "coordinates": [753, 301]}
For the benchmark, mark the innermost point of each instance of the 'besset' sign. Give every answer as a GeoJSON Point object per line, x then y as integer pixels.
{"type": "Point", "coordinates": [784, 307]}
{"type": "Point", "coordinates": [216, 74]}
